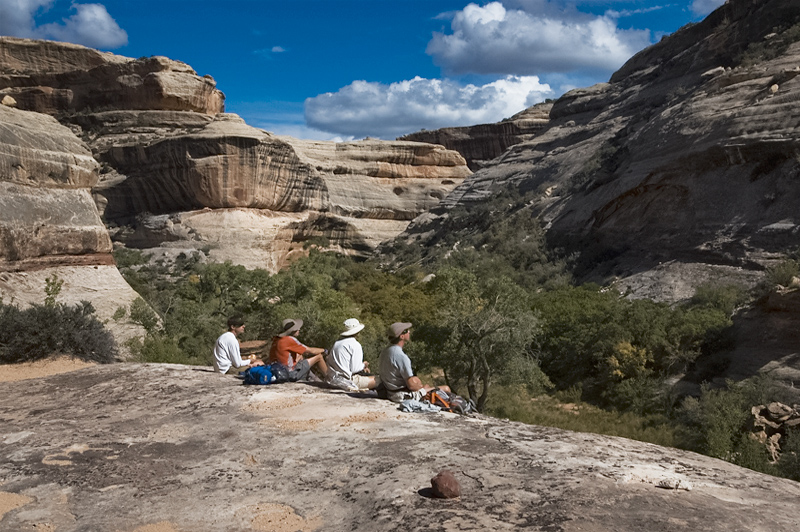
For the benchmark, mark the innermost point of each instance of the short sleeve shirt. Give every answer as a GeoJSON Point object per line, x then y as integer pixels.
{"type": "Point", "coordinates": [394, 368]}
{"type": "Point", "coordinates": [347, 357]}
{"type": "Point", "coordinates": [285, 349]}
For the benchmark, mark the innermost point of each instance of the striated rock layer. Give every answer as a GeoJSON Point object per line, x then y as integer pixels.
{"type": "Point", "coordinates": [158, 169]}
{"type": "Point", "coordinates": [54, 77]}
{"type": "Point", "coordinates": [82, 452]}
{"type": "Point", "coordinates": [167, 152]}
{"type": "Point", "coordinates": [689, 155]}
{"type": "Point", "coordinates": [49, 224]}
{"type": "Point", "coordinates": [484, 142]}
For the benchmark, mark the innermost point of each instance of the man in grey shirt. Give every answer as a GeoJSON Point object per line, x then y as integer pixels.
{"type": "Point", "coordinates": [395, 368]}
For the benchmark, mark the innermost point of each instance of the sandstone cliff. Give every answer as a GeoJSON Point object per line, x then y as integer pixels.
{"type": "Point", "coordinates": [48, 220]}
{"type": "Point", "coordinates": [177, 174]}
{"type": "Point", "coordinates": [137, 448]}
{"type": "Point", "coordinates": [176, 182]}
{"type": "Point", "coordinates": [481, 143]}
{"type": "Point", "coordinates": [54, 78]}
{"type": "Point", "coordinates": [687, 157]}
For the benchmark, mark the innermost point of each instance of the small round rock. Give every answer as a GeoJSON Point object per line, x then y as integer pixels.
{"type": "Point", "coordinates": [445, 485]}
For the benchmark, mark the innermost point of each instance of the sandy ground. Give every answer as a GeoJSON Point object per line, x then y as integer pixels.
{"type": "Point", "coordinates": [40, 368]}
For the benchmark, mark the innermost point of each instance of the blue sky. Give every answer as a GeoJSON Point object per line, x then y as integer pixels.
{"type": "Point", "coordinates": [348, 69]}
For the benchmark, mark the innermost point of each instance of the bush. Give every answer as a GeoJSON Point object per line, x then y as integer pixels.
{"type": "Point", "coordinates": [726, 297]}
{"type": "Point", "coordinates": [782, 273]}
{"type": "Point", "coordinates": [164, 349]}
{"type": "Point", "coordinates": [43, 331]}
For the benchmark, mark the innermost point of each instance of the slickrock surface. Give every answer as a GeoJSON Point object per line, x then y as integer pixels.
{"type": "Point", "coordinates": [688, 154]}
{"type": "Point", "coordinates": [172, 448]}
{"type": "Point", "coordinates": [481, 143]}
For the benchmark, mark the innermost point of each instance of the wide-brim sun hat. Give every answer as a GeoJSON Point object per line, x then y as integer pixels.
{"type": "Point", "coordinates": [291, 325]}
{"type": "Point", "coordinates": [398, 328]}
{"type": "Point", "coordinates": [352, 326]}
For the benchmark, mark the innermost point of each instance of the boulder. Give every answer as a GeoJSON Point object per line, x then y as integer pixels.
{"type": "Point", "coordinates": [133, 447]}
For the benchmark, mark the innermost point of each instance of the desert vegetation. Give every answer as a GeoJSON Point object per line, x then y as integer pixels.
{"type": "Point", "coordinates": [53, 329]}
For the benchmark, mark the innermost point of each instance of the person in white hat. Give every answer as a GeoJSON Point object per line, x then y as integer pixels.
{"type": "Point", "coordinates": [346, 358]}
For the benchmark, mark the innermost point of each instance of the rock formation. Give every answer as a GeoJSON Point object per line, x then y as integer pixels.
{"type": "Point", "coordinates": [177, 185]}
{"type": "Point", "coordinates": [136, 447]}
{"type": "Point", "coordinates": [687, 156]}
{"type": "Point", "coordinates": [48, 220]}
{"type": "Point", "coordinates": [481, 143]}
{"type": "Point", "coordinates": [54, 78]}
{"type": "Point", "coordinates": [771, 424]}
{"type": "Point", "coordinates": [177, 174]}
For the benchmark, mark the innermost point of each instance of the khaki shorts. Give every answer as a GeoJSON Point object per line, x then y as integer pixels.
{"type": "Point", "coordinates": [363, 382]}
{"type": "Point", "coordinates": [236, 371]}
{"type": "Point", "coordinates": [401, 395]}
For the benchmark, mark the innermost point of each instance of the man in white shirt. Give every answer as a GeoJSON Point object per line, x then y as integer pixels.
{"type": "Point", "coordinates": [346, 358]}
{"type": "Point", "coordinates": [227, 356]}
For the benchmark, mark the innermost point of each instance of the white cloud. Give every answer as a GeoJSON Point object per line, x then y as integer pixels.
{"type": "Point", "coordinates": [491, 39]}
{"type": "Point", "coordinates": [278, 49]}
{"type": "Point", "coordinates": [91, 25]}
{"type": "Point", "coordinates": [704, 7]}
{"type": "Point", "coordinates": [16, 16]}
{"type": "Point", "coordinates": [364, 109]}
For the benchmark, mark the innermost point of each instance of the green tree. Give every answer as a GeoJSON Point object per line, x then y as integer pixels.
{"type": "Point", "coordinates": [481, 334]}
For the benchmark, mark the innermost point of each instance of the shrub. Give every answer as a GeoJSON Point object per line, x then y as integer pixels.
{"type": "Point", "coordinates": [42, 331]}
{"type": "Point", "coordinates": [782, 273]}
{"type": "Point", "coordinates": [726, 297]}
{"type": "Point", "coordinates": [142, 314]}
{"type": "Point", "coordinates": [125, 258]}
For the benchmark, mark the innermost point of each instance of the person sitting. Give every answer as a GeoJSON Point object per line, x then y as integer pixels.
{"type": "Point", "coordinates": [287, 350]}
{"type": "Point", "coordinates": [395, 371]}
{"type": "Point", "coordinates": [346, 360]}
{"type": "Point", "coordinates": [227, 356]}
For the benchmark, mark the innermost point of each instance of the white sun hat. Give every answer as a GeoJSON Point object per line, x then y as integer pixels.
{"type": "Point", "coordinates": [352, 326]}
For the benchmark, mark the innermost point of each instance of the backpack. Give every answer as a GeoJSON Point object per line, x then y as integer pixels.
{"type": "Point", "coordinates": [279, 371]}
{"type": "Point", "coordinates": [450, 402]}
{"type": "Point", "coordinates": [259, 375]}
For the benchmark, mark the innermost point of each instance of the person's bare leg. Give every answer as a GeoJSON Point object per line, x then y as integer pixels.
{"type": "Point", "coordinates": [319, 362]}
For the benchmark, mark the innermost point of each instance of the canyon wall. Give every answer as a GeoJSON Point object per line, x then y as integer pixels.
{"type": "Point", "coordinates": [684, 165]}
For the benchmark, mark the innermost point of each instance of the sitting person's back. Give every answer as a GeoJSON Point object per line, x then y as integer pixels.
{"type": "Point", "coordinates": [346, 359]}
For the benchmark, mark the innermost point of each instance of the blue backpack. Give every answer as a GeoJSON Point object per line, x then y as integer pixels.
{"type": "Point", "coordinates": [259, 375]}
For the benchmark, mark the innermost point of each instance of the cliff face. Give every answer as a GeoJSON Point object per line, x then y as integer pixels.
{"type": "Point", "coordinates": [688, 156]}
{"type": "Point", "coordinates": [53, 77]}
{"type": "Point", "coordinates": [164, 178]}
{"type": "Point", "coordinates": [290, 457]}
{"type": "Point", "coordinates": [482, 143]}
{"type": "Point", "coordinates": [176, 174]}
{"type": "Point", "coordinates": [49, 224]}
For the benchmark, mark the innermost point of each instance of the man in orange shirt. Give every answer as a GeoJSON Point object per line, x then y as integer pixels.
{"type": "Point", "coordinates": [287, 350]}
